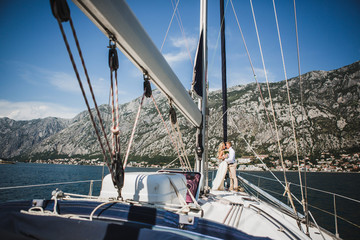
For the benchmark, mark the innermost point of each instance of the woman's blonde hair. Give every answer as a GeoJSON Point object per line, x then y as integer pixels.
{"type": "Point", "coordinates": [220, 148]}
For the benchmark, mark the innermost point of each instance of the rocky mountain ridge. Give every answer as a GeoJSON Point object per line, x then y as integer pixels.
{"type": "Point", "coordinates": [329, 121]}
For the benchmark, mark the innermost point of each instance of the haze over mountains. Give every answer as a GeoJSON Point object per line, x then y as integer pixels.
{"type": "Point", "coordinates": [330, 121]}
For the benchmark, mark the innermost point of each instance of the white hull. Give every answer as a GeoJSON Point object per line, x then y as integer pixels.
{"type": "Point", "coordinates": [235, 209]}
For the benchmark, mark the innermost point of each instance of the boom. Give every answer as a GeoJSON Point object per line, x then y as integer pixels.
{"type": "Point", "coordinates": [116, 20]}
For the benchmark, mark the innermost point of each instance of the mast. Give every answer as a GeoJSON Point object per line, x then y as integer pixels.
{"type": "Point", "coordinates": [205, 109]}
{"type": "Point", "coordinates": [223, 69]}
{"type": "Point", "coordinates": [200, 87]}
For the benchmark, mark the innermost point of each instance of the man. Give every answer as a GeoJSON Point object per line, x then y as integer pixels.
{"type": "Point", "coordinates": [230, 159]}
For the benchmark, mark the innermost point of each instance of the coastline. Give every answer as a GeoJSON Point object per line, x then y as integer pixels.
{"type": "Point", "coordinates": [97, 162]}
{"type": "Point", "coordinates": [6, 162]}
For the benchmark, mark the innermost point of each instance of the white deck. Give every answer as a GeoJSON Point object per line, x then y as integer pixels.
{"type": "Point", "coordinates": [253, 217]}
{"type": "Point", "coordinates": [235, 209]}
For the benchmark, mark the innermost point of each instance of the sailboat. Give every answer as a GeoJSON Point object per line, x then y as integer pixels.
{"type": "Point", "coordinates": [165, 204]}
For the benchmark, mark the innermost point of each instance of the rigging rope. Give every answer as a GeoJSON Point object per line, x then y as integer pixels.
{"type": "Point", "coordinates": [176, 13]}
{"type": "Point", "coordinates": [167, 31]}
{"type": "Point", "coordinates": [61, 12]}
{"type": "Point", "coordinates": [183, 147]}
{"type": "Point", "coordinates": [114, 65]}
{"type": "Point", "coordinates": [90, 87]}
{"type": "Point", "coordinates": [289, 101]}
{"type": "Point", "coordinates": [257, 156]}
{"type": "Point", "coordinates": [303, 110]}
{"type": "Point", "coordinates": [169, 134]}
{"type": "Point", "coordinates": [252, 68]}
{"type": "Point", "coordinates": [273, 110]}
{"type": "Point", "coordinates": [133, 131]}
{"type": "Point", "coordinates": [192, 145]}
{"type": "Point", "coordinates": [178, 137]}
{"type": "Point", "coordinates": [178, 18]}
{"type": "Point", "coordinates": [117, 170]}
{"type": "Point", "coordinates": [218, 119]}
{"type": "Point", "coordinates": [169, 164]}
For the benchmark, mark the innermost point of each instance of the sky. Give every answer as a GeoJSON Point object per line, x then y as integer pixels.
{"type": "Point", "coordinates": [37, 79]}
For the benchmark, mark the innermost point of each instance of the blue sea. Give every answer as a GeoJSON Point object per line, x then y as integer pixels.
{"type": "Point", "coordinates": [346, 184]}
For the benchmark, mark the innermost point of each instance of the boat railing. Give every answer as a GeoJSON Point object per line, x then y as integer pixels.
{"type": "Point", "coordinates": [328, 211]}
{"type": "Point", "coordinates": [91, 185]}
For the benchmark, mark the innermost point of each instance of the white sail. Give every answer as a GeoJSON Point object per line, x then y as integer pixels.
{"type": "Point", "coordinates": [115, 18]}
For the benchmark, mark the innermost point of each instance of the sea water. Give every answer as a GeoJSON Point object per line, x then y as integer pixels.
{"type": "Point", "coordinates": [347, 184]}
{"type": "Point", "coordinates": [25, 174]}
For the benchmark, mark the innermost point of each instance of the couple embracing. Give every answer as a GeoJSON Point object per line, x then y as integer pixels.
{"type": "Point", "coordinates": [226, 155]}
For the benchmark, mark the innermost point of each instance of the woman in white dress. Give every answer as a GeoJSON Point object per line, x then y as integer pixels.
{"type": "Point", "coordinates": [218, 183]}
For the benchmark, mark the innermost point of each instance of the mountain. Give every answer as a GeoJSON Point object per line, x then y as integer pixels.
{"type": "Point", "coordinates": [328, 121]}
{"type": "Point", "coordinates": [151, 138]}
{"type": "Point", "coordinates": [18, 137]}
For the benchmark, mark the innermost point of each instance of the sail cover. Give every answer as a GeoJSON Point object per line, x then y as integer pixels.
{"type": "Point", "coordinates": [197, 85]}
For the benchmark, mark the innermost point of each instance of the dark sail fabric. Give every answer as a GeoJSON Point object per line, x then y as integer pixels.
{"type": "Point", "coordinates": [197, 85]}
{"type": "Point", "coordinates": [223, 69]}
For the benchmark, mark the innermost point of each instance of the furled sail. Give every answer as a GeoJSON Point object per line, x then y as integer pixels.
{"type": "Point", "coordinates": [197, 85]}
{"type": "Point", "coordinates": [116, 20]}
{"type": "Point", "coordinates": [223, 70]}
